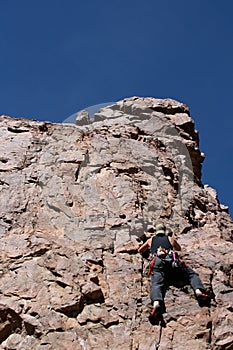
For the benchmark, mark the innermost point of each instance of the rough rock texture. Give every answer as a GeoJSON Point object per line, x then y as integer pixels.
{"type": "Point", "coordinates": [77, 201]}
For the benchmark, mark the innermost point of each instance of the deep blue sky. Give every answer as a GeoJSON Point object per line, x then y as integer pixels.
{"type": "Point", "coordinates": [60, 56]}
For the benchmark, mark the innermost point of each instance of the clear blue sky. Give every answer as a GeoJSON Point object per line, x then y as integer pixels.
{"type": "Point", "coordinates": [60, 56]}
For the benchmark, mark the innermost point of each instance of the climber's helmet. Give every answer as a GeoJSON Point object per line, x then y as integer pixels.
{"type": "Point", "coordinates": [160, 229]}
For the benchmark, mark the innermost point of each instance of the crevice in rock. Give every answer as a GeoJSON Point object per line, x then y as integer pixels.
{"type": "Point", "coordinates": [170, 109]}
{"type": "Point", "coordinates": [171, 176]}
{"type": "Point", "coordinates": [82, 164]}
{"type": "Point", "coordinates": [62, 284]}
{"type": "Point", "coordinates": [53, 271]}
{"type": "Point", "coordinates": [129, 170]}
{"type": "Point", "coordinates": [122, 216]}
{"type": "Point", "coordinates": [43, 127]}
{"type": "Point", "coordinates": [53, 207]}
{"type": "Point", "coordinates": [3, 182]}
{"type": "Point", "coordinates": [38, 252]}
{"type": "Point", "coordinates": [116, 226]}
{"type": "Point", "coordinates": [211, 290]}
{"type": "Point", "coordinates": [29, 328]}
{"type": "Point", "coordinates": [77, 173]}
{"type": "Point", "coordinates": [7, 221]}
{"type": "Point", "coordinates": [4, 160]}
{"type": "Point", "coordinates": [200, 204]}
{"type": "Point", "coordinates": [70, 204]}
{"type": "Point", "coordinates": [94, 297]}
{"type": "Point", "coordinates": [33, 180]}
{"type": "Point", "coordinates": [17, 129]}
{"type": "Point", "coordinates": [172, 337]}
{"type": "Point", "coordinates": [72, 311]}
{"type": "Point", "coordinates": [95, 262]}
{"type": "Point", "coordinates": [210, 327]}
{"type": "Point", "coordinates": [10, 322]}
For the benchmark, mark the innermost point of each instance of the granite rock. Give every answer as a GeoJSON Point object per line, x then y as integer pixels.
{"type": "Point", "coordinates": [76, 202]}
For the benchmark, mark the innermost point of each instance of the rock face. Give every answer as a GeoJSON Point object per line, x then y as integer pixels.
{"type": "Point", "coordinates": [76, 203]}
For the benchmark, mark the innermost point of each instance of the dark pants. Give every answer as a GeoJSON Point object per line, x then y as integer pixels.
{"type": "Point", "coordinates": [164, 276]}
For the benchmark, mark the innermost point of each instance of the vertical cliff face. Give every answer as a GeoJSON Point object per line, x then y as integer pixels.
{"type": "Point", "coordinates": [78, 200]}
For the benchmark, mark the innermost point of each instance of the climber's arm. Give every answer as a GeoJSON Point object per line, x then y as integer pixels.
{"type": "Point", "coordinates": [145, 246]}
{"type": "Point", "coordinates": [174, 243]}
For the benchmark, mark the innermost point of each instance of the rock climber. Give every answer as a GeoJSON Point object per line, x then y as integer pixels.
{"type": "Point", "coordinates": [163, 272]}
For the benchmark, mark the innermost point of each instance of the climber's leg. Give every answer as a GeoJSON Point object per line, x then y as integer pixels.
{"type": "Point", "coordinates": [194, 279]}
{"type": "Point", "coordinates": [198, 287]}
{"type": "Point", "coordinates": [157, 287]}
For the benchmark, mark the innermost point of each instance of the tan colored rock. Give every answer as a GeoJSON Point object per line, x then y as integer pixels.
{"type": "Point", "coordinates": [76, 201]}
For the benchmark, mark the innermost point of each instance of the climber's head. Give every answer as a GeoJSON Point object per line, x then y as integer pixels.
{"type": "Point", "coordinates": [160, 229]}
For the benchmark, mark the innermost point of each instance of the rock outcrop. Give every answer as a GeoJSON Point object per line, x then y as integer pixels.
{"type": "Point", "coordinates": [76, 203]}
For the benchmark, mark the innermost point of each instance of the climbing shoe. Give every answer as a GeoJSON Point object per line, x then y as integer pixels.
{"type": "Point", "coordinates": [203, 299]}
{"type": "Point", "coordinates": [155, 315]}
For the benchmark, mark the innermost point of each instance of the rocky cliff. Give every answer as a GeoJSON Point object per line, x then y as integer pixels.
{"type": "Point", "coordinates": [76, 203]}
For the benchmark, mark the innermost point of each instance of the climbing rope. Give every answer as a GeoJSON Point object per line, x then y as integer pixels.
{"type": "Point", "coordinates": [157, 342]}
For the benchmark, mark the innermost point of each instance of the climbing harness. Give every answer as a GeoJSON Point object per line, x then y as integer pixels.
{"type": "Point", "coordinates": [175, 262]}
{"type": "Point", "coordinates": [157, 342]}
{"type": "Point", "coordinates": [170, 258]}
{"type": "Point", "coordinates": [152, 264]}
